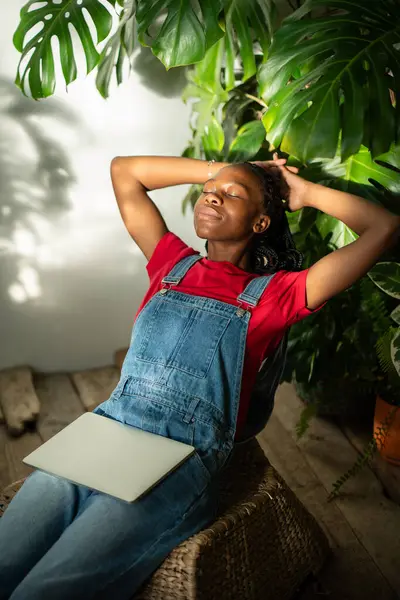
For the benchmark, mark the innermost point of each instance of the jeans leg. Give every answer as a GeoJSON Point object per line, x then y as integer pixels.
{"type": "Point", "coordinates": [34, 520]}
{"type": "Point", "coordinates": [112, 547]}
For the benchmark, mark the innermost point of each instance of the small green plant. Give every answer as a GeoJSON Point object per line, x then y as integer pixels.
{"type": "Point", "coordinates": [386, 276]}
{"type": "Point", "coordinates": [377, 442]}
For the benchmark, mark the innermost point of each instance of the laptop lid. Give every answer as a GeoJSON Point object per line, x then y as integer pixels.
{"type": "Point", "coordinates": [110, 457]}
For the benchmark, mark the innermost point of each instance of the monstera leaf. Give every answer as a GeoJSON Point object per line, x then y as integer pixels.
{"type": "Point", "coordinates": [37, 60]}
{"type": "Point", "coordinates": [334, 77]}
{"type": "Point", "coordinates": [245, 23]}
{"type": "Point", "coordinates": [177, 32]}
{"type": "Point", "coordinates": [206, 93]}
{"type": "Point", "coordinates": [213, 140]}
{"type": "Point", "coordinates": [377, 180]}
{"type": "Point", "coordinates": [118, 49]}
{"type": "Point", "coordinates": [361, 174]}
{"type": "Point", "coordinates": [248, 142]}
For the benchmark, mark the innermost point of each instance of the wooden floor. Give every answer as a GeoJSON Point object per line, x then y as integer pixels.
{"type": "Point", "coordinates": [363, 525]}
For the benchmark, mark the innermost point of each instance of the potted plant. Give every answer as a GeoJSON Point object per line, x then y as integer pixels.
{"type": "Point", "coordinates": [386, 275]}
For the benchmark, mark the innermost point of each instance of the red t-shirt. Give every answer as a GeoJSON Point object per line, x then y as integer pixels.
{"type": "Point", "coordinates": [282, 304]}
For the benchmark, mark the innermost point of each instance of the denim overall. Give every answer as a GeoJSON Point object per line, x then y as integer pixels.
{"type": "Point", "coordinates": [182, 379]}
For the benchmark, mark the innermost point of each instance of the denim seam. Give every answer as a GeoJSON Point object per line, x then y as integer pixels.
{"type": "Point", "coordinates": [200, 301]}
{"type": "Point", "coordinates": [158, 388]}
{"type": "Point", "coordinates": [172, 406]}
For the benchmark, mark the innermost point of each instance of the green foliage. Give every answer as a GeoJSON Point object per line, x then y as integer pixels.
{"type": "Point", "coordinates": [118, 50]}
{"type": "Point", "coordinates": [245, 23]}
{"type": "Point", "coordinates": [323, 87]}
{"type": "Point", "coordinates": [383, 349]}
{"type": "Point", "coordinates": [177, 31]}
{"type": "Point", "coordinates": [331, 77]}
{"type": "Point", "coordinates": [248, 141]}
{"type": "Point", "coordinates": [395, 351]}
{"type": "Point", "coordinates": [55, 20]}
{"type": "Point", "coordinates": [361, 173]}
{"type": "Point", "coordinates": [377, 443]}
{"type": "Point", "coordinates": [363, 459]}
{"type": "Point", "coordinates": [386, 275]}
{"type": "Point", "coordinates": [395, 315]}
{"type": "Point", "coordinates": [307, 414]}
{"type": "Point", "coordinates": [331, 355]}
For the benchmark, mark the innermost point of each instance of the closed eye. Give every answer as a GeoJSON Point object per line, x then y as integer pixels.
{"type": "Point", "coordinates": [233, 195]}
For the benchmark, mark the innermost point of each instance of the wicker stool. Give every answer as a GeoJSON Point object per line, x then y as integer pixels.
{"type": "Point", "coordinates": [262, 546]}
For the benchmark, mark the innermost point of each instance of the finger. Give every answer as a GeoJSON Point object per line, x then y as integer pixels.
{"type": "Point", "coordinates": [293, 169]}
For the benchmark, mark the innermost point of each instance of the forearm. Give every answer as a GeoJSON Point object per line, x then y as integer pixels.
{"type": "Point", "coordinates": [358, 214]}
{"type": "Point", "coordinates": [155, 172]}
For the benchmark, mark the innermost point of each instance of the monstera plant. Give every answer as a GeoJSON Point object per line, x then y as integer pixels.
{"type": "Point", "coordinates": [386, 275]}
{"type": "Point", "coordinates": [321, 84]}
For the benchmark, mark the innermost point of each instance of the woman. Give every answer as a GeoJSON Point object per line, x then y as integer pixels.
{"type": "Point", "coordinates": [203, 330]}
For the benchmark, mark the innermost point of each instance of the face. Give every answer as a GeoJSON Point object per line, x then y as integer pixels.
{"type": "Point", "coordinates": [231, 206]}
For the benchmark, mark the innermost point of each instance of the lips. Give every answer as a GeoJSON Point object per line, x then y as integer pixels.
{"type": "Point", "coordinates": [208, 211]}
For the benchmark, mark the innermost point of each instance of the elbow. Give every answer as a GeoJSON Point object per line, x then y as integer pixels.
{"type": "Point", "coordinates": [122, 167]}
{"type": "Point", "coordinates": [391, 231]}
{"type": "Point", "coordinates": [117, 165]}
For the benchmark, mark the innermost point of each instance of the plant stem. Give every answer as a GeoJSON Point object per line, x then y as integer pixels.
{"type": "Point", "coordinates": [255, 99]}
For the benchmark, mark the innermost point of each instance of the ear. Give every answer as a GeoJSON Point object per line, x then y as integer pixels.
{"type": "Point", "coordinates": [262, 224]}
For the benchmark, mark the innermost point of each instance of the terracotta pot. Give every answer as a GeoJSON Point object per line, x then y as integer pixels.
{"type": "Point", "coordinates": [390, 449]}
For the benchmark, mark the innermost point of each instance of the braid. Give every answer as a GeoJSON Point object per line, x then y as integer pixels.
{"type": "Point", "coordinates": [273, 250]}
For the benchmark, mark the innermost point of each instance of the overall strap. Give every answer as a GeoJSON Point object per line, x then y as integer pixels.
{"type": "Point", "coordinates": [255, 290]}
{"type": "Point", "coordinates": [179, 271]}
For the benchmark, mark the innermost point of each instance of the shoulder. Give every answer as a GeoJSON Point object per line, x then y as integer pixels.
{"type": "Point", "coordinates": [168, 252]}
{"type": "Point", "coordinates": [288, 290]}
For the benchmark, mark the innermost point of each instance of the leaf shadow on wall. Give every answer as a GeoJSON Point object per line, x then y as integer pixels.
{"type": "Point", "coordinates": [153, 74]}
{"type": "Point", "coordinates": [35, 181]}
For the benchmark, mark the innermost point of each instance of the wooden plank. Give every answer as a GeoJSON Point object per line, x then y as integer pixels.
{"type": "Point", "coordinates": [60, 404]}
{"type": "Point", "coordinates": [20, 405]}
{"type": "Point", "coordinates": [95, 385]}
{"type": "Point", "coordinates": [350, 574]}
{"type": "Point", "coordinates": [16, 449]}
{"type": "Point", "coordinates": [374, 519]}
{"type": "Point", "coordinates": [389, 475]}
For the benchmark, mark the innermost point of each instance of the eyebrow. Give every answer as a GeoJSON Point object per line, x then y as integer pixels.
{"type": "Point", "coordinates": [242, 185]}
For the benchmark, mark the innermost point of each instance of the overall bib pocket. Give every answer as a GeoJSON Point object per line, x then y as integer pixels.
{"type": "Point", "coordinates": [180, 336]}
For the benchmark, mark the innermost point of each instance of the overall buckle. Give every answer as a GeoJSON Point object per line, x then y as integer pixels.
{"type": "Point", "coordinates": [241, 311]}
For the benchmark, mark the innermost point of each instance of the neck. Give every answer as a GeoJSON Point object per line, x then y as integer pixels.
{"type": "Point", "coordinates": [237, 254]}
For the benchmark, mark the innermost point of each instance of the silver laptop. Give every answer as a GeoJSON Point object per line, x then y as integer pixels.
{"type": "Point", "coordinates": [110, 457]}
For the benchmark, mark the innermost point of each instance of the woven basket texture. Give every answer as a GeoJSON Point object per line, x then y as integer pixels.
{"type": "Point", "coordinates": [262, 546]}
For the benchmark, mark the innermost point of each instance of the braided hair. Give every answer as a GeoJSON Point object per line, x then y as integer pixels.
{"type": "Point", "coordinates": [274, 249]}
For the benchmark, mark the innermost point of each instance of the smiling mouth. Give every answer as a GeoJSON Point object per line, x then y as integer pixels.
{"type": "Point", "coordinates": [207, 212]}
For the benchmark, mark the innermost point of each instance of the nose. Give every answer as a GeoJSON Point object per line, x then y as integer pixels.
{"type": "Point", "coordinates": [213, 198]}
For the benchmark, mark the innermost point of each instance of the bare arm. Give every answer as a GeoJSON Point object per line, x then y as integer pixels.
{"type": "Point", "coordinates": [133, 176]}
{"type": "Point", "coordinates": [378, 230]}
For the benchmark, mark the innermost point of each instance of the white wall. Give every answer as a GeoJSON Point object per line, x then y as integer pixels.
{"type": "Point", "coordinates": [71, 279]}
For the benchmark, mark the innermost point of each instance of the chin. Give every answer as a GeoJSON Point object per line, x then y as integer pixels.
{"type": "Point", "coordinates": [204, 231]}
